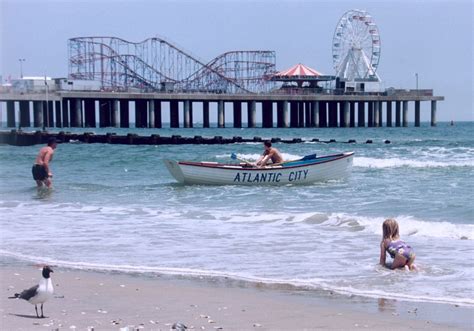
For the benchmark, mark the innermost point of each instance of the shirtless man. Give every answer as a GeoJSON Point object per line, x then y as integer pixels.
{"type": "Point", "coordinates": [41, 171]}
{"type": "Point", "coordinates": [270, 153]}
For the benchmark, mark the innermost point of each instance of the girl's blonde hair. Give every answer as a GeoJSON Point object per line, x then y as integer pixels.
{"type": "Point", "coordinates": [390, 229]}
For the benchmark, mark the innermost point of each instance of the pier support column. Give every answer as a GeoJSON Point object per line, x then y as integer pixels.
{"type": "Point", "coordinates": [433, 112]}
{"type": "Point", "coordinates": [25, 120]}
{"type": "Point", "coordinates": [52, 118]}
{"type": "Point", "coordinates": [285, 114]}
{"type": "Point", "coordinates": [157, 113]}
{"type": "Point", "coordinates": [281, 113]}
{"type": "Point", "coordinates": [38, 114]}
{"type": "Point", "coordinates": [115, 114]}
{"type": "Point", "coordinates": [11, 120]}
{"type": "Point", "coordinates": [186, 114]}
{"type": "Point", "coordinates": [267, 114]}
{"type": "Point", "coordinates": [389, 113]}
{"type": "Point", "coordinates": [315, 114]}
{"type": "Point", "coordinates": [174, 114]}
{"type": "Point", "coordinates": [89, 114]}
{"type": "Point", "coordinates": [237, 105]}
{"type": "Point", "coordinates": [405, 114]}
{"type": "Point", "coordinates": [340, 112]}
{"type": "Point", "coordinates": [376, 114]}
{"type": "Point", "coordinates": [65, 112]}
{"type": "Point", "coordinates": [72, 113]}
{"type": "Point", "coordinates": [58, 113]}
{"type": "Point", "coordinates": [141, 112]}
{"type": "Point", "coordinates": [76, 112]}
{"type": "Point", "coordinates": [205, 114]}
{"type": "Point", "coordinates": [48, 114]}
{"type": "Point", "coordinates": [151, 113]}
{"type": "Point", "coordinates": [79, 117]}
{"type": "Point", "coordinates": [346, 114]}
{"type": "Point", "coordinates": [104, 113]}
{"type": "Point", "coordinates": [191, 114]}
{"type": "Point", "coordinates": [380, 113]}
{"type": "Point", "coordinates": [398, 121]}
{"type": "Point", "coordinates": [252, 114]}
{"type": "Point", "coordinates": [124, 114]}
{"type": "Point", "coordinates": [301, 114]}
{"type": "Point", "coordinates": [333, 114]}
{"type": "Point", "coordinates": [307, 114]}
{"type": "Point", "coordinates": [220, 114]}
{"type": "Point", "coordinates": [294, 114]}
{"type": "Point", "coordinates": [370, 114]}
{"type": "Point", "coordinates": [323, 117]}
{"type": "Point", "coordinates": [361, 114]}
{"type": "Point", "coordinates": [352, 114]}
{"type": "Point", "coordinates": [417, 113]}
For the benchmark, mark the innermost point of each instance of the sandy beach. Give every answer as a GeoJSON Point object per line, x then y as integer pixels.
{"type": "Point", "coordinates": [86, 300]}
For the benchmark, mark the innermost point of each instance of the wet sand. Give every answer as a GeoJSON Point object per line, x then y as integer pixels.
{"type": "Point", "coordinates": [91, 300]}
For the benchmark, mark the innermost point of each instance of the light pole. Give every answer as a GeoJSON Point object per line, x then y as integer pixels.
{"type": "Point", "coordinates": [416, 76]}
{"type": "Point", "coordinates": [21, 66]}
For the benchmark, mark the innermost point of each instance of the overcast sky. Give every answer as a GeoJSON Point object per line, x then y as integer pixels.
{"type": "Point", "coordinates": [431, 38]}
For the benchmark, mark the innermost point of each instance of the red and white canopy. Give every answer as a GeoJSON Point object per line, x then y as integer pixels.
{"type": "Point", "coordinates": [299, 70]}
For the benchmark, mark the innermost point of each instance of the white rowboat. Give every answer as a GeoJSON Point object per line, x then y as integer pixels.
{"type": "Point", "coordinates": [303, 171]}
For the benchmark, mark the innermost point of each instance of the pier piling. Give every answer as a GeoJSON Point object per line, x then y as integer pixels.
{"type": "Point", "coordinates": [25, 120]}
{"type": "Point", "coordinates": [417, 113]}
{"type": "Point", "coordinates": [405, 114]}
{"type": "Point", "coordinates": [398, 121]}
{"type": "Point", "coordinates": [237, 110]}
{"type": "Point", "coordinates": [11, 118]}
{"type": "Point", "coordinates": [433, 112]}
{"type": "Point", "coordinates": [124, 114]}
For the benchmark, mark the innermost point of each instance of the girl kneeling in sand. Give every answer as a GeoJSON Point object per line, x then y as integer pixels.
{"type": "Point", "coordinates": [402, 254]}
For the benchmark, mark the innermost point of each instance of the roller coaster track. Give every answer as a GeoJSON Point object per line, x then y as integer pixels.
{"type": "Point", "coordinates": [156, 64]}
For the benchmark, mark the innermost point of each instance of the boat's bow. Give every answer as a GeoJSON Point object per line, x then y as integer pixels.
{"type": "Point", "coordinates": [175, 170]}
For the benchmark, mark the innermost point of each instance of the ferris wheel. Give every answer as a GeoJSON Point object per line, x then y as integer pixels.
{"type": "Point", "coordinates": [356, 46]}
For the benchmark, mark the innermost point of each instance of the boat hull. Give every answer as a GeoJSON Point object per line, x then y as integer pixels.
{"type": "Point", "coordinates": [323, 168]}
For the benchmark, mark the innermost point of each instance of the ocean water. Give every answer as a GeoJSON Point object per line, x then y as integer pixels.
{"type": "Point", "coordinates": [115, 207]}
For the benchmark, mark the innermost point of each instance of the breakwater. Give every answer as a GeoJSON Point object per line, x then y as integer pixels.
{"type": "Point", "coordinates": [22, 138]}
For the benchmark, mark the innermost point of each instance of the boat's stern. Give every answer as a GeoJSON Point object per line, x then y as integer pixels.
{"type": "Point", "coordinates": [175, 170]}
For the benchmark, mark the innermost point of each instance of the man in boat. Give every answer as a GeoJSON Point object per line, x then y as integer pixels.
{"type": "Point", "coordinates": [41, 171]}
{"type": "Point", "coordinates": [270, 153]}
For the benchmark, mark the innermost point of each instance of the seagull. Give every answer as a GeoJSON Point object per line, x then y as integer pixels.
{"type": "Point", "coordinates": [39, 293]}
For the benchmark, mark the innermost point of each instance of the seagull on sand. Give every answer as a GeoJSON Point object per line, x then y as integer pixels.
{"type": "Point", "coordinates": [39, 293]}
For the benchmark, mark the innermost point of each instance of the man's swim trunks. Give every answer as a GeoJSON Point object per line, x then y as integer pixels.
{"type": "Point", "coordinates": [39, 172]}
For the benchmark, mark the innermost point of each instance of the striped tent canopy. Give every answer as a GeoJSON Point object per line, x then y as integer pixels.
{"type": "Point", "coordinates": [301, 75]}
{"type": "Point", "coordinates": [299, 70]}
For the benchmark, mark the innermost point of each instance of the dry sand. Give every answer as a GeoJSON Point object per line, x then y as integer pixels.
{"type": "Point", "coordinates": [86, 300]}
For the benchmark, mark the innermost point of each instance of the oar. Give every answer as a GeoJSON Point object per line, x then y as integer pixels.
{"type": "Point", "coordinates": [233, 156]}
{"type": "Point", "coordinates": [304, 158]}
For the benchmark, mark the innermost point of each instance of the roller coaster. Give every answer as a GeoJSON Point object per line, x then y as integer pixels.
{"type": "Point", "coordinates": [156, 64]}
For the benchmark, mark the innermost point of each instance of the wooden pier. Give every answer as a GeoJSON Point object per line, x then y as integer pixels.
{"type": "Point", "coordinates": [64, 109]}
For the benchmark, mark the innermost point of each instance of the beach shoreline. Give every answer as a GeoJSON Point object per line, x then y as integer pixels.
{"type": "Point", "coordinates": [86, 299]}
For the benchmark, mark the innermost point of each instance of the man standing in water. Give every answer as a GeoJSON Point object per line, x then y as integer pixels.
{"type": "Point", "coordinates": [270, 153]}
{"type": "Point", "coordinates": [41, 171]}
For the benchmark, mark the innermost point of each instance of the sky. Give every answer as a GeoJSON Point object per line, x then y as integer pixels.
{"type": "Point", "coordinates": [433, 39]}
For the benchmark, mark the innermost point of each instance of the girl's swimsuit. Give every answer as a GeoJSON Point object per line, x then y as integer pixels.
{"type": "Point", "coordinates": [401, 248]}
